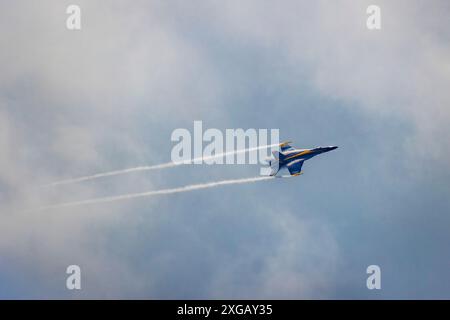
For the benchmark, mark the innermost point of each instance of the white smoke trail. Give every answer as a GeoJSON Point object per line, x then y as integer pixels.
{"type": "Point", "coordinates": [112, 173]}
{"type": "Point", "coordinates": [155, 167]}
{"type": "Point", "coordinates": [129, 196]}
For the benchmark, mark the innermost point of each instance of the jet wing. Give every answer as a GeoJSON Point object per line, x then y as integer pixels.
{"type": "Point", "coordinates": [295, 167]}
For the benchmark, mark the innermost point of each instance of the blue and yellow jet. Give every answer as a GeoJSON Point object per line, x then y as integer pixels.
{"type": "Point", "coordinates": [292, 159]}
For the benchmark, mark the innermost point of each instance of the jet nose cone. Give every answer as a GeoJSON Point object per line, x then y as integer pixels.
{"type": "Point", "coordinates": [333, 147]}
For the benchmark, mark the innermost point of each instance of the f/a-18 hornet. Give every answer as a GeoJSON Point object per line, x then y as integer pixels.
{"type": "Point", "coordinates": [292, 159]}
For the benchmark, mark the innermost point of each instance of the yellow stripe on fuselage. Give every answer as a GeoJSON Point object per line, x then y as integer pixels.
{"type": "Point", "coordinates": [298, 154]}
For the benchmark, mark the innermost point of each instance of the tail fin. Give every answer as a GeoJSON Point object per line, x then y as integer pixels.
{"type": "Point", "coordinates": [285, 146]}
{"type": "Point", "coordinates": [278, 155]}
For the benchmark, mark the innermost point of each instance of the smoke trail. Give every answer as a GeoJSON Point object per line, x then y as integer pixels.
{"type": "Point", "coordinates": [155, 167]}
{"type": "Point", "coordinates": [129, 196]}
{"type": "Point", "coordinates": [111, 173]}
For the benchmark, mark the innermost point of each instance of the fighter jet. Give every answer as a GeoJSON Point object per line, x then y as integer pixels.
{"type": "Point", "coordinates": [292, 159]}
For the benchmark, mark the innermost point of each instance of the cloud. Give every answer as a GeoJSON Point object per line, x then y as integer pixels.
{"type": "Point", "coordinates": [108, 96]}
{"type": "Point", "coordinates": [301, 263]}
{"type": "Point", "coordinates": [399, 71]}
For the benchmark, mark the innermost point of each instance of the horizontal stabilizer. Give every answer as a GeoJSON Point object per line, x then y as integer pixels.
{"type": "Point", "coordinates": [274, 167]}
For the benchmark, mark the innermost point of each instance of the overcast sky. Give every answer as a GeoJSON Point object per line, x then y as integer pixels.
{"type": "Point", "coordinates": [109, 96]}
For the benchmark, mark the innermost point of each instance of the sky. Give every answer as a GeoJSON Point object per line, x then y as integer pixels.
{"type": "Point", "coordinates": [109, 96]}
